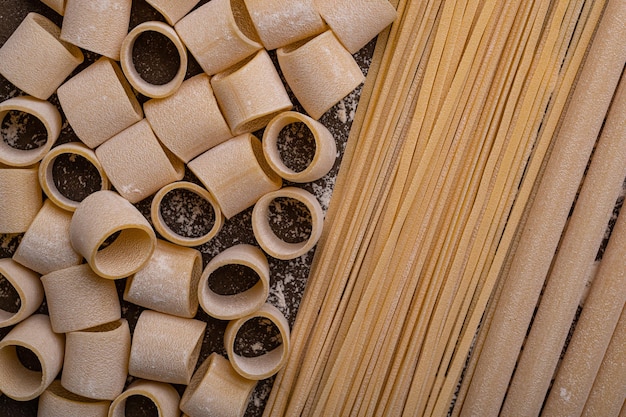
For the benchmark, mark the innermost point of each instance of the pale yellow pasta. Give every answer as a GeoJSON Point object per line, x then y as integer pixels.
{"type": "Point", "coordinates": [57, 401]}
{"type": "Point", "coordinates": [163, 396]}
{"type": "Point", "coordinates": [356, 22]}
{"type": "Point", "coordinates": [46, 177]}
{"type": "Point", "coordinates": [232, 306]}
{"type": "Point", "coordinates": [173, 10]}
{"type": "Point", "coordinates": [266, 365]}
{"type": "Point", "coordinates": [99, 217]}
{"type": "Point", "coordinates": [97, 26]}
{"type": "Point", "coordinates": [265, 236]}
{"type": "Point", "coordinates": [189, 121]}
{"type": "Point", "coordinates": [35, 60]}
{"type": "Point", "coordinates": [49, 116]}
{"type": "Point", "coordinates": [99, 103]}
{"type": "Point", "coordinates": [134, 77]}
{"type": "Point", "coordinates": [236, 173]}
{"type": "Point", "coordinates": [79, 299]}
{"type": "Point", "coordinates": [137, 164]}
{"type": "Point", "coordinates": [161, 226]}
{"type": "Point", "coordinates": [20, 198]}
{"type": "Point", "coordinates": [281, 22]}
{"type": "Point", "coordinates": [96, 360]}
{"type": "Point", "coordinates": [56, 5]}
{"type": "Point", "coordinates": [34, 334]}
{"type": "Point", "coordinates": [169, 281]}
{"type": "Point", "coordinates": [216, 390]}
{"type": "Point", "coordinates": [325, 148]}
{"type": "Point", "coordinates": [250, 93]}
{"type": "Point", "coordinates": [46, 245]}
{"type": "Point", "coordinates": [229, 38]}
{"type": "Point", "coordinates": [165, 348]}
{"type": "Point", "coordinates": [320, 72]}
{"type": "Point", "coordinates": [28, 288]}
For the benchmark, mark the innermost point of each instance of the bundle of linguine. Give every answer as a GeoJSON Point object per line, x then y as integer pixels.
{"type": "Point", "coordinates": [471, 142]}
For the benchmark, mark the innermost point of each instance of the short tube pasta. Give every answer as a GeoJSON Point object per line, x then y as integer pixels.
{"type": "Point", "coordinates": [282, 22]}
{"type": "Point", "coordinates": [79, 299]}
{"type": "Point", "coordinates": [96, 360]}
{"type": "Point", "coordinates": [20, 198]}
{"type": "Point", "coordinates": [35, 60]}
{"type": "Point", "coordinates": [173, 10]}
{"type": "Point", "coordinates": [189, 122]}
{"type": "Point", "coordinates": [229, 38]}
{"type": "Point", "coordinates": [99, 103]}
{"type": "Point", "coordinates": [137, 164]}
{"type": "Point", "coordinates": [169, 281]}
{"type": "Point", "coordinates": [133, 76]}
{"type": "Point", "coordinates": [46, 245]}
{"type": "Point", "coordinates": [49, 116]}
{"type": "Point", "coordinates": [29, 290]}
{"type": "Point", "coordinates": [266, 237]}
{"type": "Point", "coordinates": [46, 176]}
{"type": "Point", "coordinates": [165, 348]}
{"type": "Point", "coordinates": [57, 401]}
{"type": "Point", "coordinates": [320, 72]}
{"type": "Point", "coordinates": [250, 93]}
{"type": "Point", "coordinates": [130, 250]}
{"type": "Point", "coordinates": [356, 22]}
{"type": "Point", "coordinates": [229, 307]}
{"type": "Point", "coordinates": [35, 334]}
{"type": "Point", "coordinates": [98, 27]}
{"type": "Point", "coordinates": [161, 226]}
{"type": "Point", "coordinates": [325, 148]}
{"type": "Point", "coordinates": [266, 365]}
{"type": "Point", "coordinates": [164, 396]}
{"type": "Point", "coordinates": [216, 390]}
{"type": "Point", "coordinates": [237, 161]}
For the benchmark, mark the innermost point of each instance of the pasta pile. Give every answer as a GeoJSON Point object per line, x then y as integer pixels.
{"type": "Point", "coordinates": [73, 251]}
{"type": "Point", "coordinates": [451, 214]}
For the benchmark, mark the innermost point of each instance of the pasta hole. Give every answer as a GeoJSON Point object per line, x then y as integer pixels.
{"type": "Point", "coordinates": [290, 220]}
{"type": "Point", "coordinates": [155, 58]}
{"type": "Point", "coordinates": [232, 279]}
{"type": "Point", "coordinates": [256, 337]}
{"type": "Point", "coordinates": [187, 213]}
{"type": "Point", "coordinates": [109, 240]}
{"type": "Point", "coordinates": [28, 359]}
{"type": "Point", "coordinates": [140, 406]}
{"type": "Point", "coordinates": [9, 298]}
{"type": "Point", "coordinates": [23, 131]}
{"type": "Point", "coordinates": [126, 253]}
{"type": "Point", "coordinates": [243, 19]}
{"type": "Point", "coordinates": [75, 177]}
{"type": "Point", "coordinates": [296, 145]}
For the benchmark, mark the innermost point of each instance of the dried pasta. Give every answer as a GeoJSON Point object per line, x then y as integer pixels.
{"type": "Point", "coordinates": [20, 198]}
{"type": "Point", "coordinates": [163, 396]}
{"type": "Point", "coordinates": [173, 10]}
{"type": "Point", "coordinates": [29, 290]}
{"type": "Point", "coordinates": [57, 401]}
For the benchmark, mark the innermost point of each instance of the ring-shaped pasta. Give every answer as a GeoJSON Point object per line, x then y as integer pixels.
{"type": "Point", "coordinates": [163, 396]}
{"type": "Point", "coordinates": [49, 116]}
{"type": "Point", "coordinates": [20, 198]}
{"type": "Point", "coordinates": [46, 177]}
{"type": "Point", "coordinates": [133, 76]}
{"type": "Point", "coordinates": [325, 148]}
{"type": "Point", "coordinates": [161, 226]}
{"type": "Point", "coordinates": [229, 307]}
{"type": "Point", "coordinates": [99, 217]}
{"type": "Point", "coordinates": [266, 237]}
{"type": "Point", "coordinates": [268, 364]}
{"type": "Point", "coordinates": [28, 287]}
{"type": "Point", "coordinates": [58, 401]}
{"type": "Point", "coordinates": [34, 334]}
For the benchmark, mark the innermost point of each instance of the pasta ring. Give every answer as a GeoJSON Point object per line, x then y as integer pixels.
{"type": "Point", "coordinates": [20, 198]}
{"type": "Point", "coordinates": [58, 401]}
{"type": "Point", "coordinates": [133, 76]}
{"type": "Point", "coordinates": [325, 148]}
{"type": "Point", "coordinates": [271, 243]}
{"type": "Point", "coordinates": [47, 113]}
{"type": "Point", "coordinates": [47, 181]}
{"type": "Point", "coordinates": [28, 287]}
{"type": "Point", "coordinates": [161, 226]}
{"type": "Point", "coordinates": [264, 366]}
{"type": "Point", "coordinates": [229, 307]}
{"type": "Point", "coordinates": [164, 396]}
